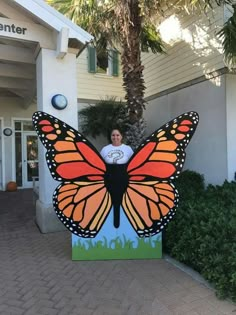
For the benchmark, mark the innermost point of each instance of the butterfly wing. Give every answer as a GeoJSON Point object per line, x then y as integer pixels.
{"type": "Point", "coordinates": [82, 207]}
{"type": "Point", "coordinates": [149, 206]}
{"type": "Point", "coordinates": [162, 155]}
{"type": "Point", "coordinates": [151, 200]}
{"type": "Point", "coordinates": [70, 156]}
{"type": "Point", "coordinates": [82, 201]}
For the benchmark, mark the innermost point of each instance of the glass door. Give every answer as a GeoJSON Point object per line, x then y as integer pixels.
{"type": "Point", "coordinates": [30, 159]}
{"type": "Point", "coordinates": [1, 172]}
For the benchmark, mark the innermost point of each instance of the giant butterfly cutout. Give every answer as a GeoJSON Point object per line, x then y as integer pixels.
{"type": "Point", "coordinates": [85, 197]}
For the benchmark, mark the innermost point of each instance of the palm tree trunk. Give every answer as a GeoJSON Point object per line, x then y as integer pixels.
{"type": "Point", "coordinates": [133, 81]}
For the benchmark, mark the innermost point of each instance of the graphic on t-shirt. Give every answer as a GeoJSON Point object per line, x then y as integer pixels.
{"type": "Point", "coordinates": [115, 155]}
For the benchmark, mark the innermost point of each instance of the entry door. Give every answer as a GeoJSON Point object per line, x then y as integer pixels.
{"type": "Point", "coordinates": [30, 159]}
{"type": "Point", "coordinates": [1, 175]}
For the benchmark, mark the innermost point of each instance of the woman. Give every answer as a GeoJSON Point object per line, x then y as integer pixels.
{"type": "Point", "coordinates": [116, 155]}
{"type": "Point", "coordinates": [116, 152]}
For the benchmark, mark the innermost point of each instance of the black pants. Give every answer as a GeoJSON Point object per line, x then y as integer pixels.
{"type": "Point", "coordinates": [116, 181]}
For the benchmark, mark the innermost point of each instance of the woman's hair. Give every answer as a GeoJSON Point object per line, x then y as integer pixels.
{"type": "Point", "coordinates": [116, 128]}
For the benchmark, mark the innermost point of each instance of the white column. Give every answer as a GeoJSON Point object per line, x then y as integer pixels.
{"type": "Point", "coordinates": [230, 121]}
{"type": "Point", "coordinates": [54, 76]}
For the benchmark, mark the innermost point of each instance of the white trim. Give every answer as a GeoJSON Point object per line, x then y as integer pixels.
{"type": "Point", "coordinates": [4, 152]}
{"type": "Point", "coordinates": [109, 70]}
{"type": "Point", "coordinates": [25, 182]}
{"type": "Point", "coordinates": [13, 148]}
{"type": "Point", "coordinates": [62, 42]}
{"type": "Point", "coordinates": [20, 118]}
{"type": "Point", "coordinates": [54, 19]}
{"type": "Point", "coordinates": [3, 180]}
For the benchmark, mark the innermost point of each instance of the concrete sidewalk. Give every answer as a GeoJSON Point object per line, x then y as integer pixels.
{"type": "Point", "coordinates": [37, 276]}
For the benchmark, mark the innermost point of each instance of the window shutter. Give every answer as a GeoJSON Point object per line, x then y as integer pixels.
{"type": "Point", "coordinates": [91, 59]}
{"type": "Point", "coordinates": [115, 63]}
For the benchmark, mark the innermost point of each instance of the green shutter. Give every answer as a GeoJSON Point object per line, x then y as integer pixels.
{"type": "Point", "coordinates": [115, 63]}
{"type": "Point", "coordinates": [91, 59]}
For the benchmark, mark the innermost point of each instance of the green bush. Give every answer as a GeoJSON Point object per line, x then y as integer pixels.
{"type": "Point", "coordinates": [203, 233]}
{"type": "Point", "coordinates": [102, 117]}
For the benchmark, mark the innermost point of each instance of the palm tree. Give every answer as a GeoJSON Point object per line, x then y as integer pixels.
{"type": "Point", "coordinates": [120, 24]}
{"type": "Point", "coordinates": [101, 118]}
{"type": "Point", "coordinates": [228, 36]}
{"type": "Point", "coordinates": [130, 25]}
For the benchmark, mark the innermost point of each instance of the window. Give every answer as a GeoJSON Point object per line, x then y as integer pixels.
{"type": "Point", "coordinates": [102, 61]}
{"type": "Point", "coordinates": [24, 125]}
{"type": "Point", "coordinates": [105, 62]}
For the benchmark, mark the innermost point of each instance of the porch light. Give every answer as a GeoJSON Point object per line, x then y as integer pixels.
{"type": "Point", "coordinates": [59, 101]}
{"type": "Point", "coordinates": [7, 132]}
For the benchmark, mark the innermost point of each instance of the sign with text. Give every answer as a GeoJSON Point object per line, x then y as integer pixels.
{"type": "Point", "coordinates": [27, 32]}
{"type": "Point", "coordinates": [12, 28]}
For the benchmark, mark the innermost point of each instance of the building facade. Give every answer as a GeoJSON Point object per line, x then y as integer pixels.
{"type": "Point", "coordinates": [43, 54]}
{"type": "Point", "coordinates": [193, 76]}
{"type": "Point", "coordinates": [38, 50]}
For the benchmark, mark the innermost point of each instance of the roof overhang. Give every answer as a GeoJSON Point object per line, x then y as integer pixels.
{"type": "Point", "coordinates": [25, 27]}
{"type": "Point", "coordinates": [52, 19]}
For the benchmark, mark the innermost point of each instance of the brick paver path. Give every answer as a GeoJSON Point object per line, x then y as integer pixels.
{"type": "Point", "coordinates": [37, 276]}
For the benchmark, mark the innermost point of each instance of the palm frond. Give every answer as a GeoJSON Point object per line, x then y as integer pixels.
{"type": "Point", "coordinates": [100, 118]}
{"type": "Point", "coordinates": [151, 39]}
{"type": "Point", "coordinates": [228, 36]}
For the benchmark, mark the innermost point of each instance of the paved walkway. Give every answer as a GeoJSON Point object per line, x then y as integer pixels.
{"type": "Point", "coordinates": [37, 276]}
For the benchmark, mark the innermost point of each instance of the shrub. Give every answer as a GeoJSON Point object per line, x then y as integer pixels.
{"type": "Point", "coordinates": [105, 115]}
{"type": "Point", "coordinates": [203, 233]}
{"type": "Point", "coordinates": [102, 117]}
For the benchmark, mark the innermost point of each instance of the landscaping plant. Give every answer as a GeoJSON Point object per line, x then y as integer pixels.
{"type": "Point", "coordinates": [203, 233]}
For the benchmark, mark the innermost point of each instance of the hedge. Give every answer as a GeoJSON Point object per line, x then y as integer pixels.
{"type": "Point", "coordinates": [203, 232]}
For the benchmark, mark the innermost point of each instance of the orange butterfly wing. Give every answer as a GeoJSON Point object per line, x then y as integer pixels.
{"type": "Point", "coordinates": [149, 206]}
{"type": "Point", "coordinates": [162, 155]}
{"type": "Point", "coordinates": [82, 202]}
{"type": "Point", "coordinates": [151, 200]}
{"type": "Point", "coordinates": [82, 207]}
{"type": "Point", "coordinates": [69, 155]}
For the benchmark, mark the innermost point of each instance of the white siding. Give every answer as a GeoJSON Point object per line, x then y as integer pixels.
{"type": "Point", "coordinates": [93, 86]}
{"type": "Point", "coordinates": [231, 130]}
{"type": "Point", "coordinates": [197, 52]}
{"type": "Point", "coordinates": [207, 151]}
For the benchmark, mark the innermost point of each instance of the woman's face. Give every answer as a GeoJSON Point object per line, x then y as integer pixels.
{"type": "Point", "coordinates": [116, 137]}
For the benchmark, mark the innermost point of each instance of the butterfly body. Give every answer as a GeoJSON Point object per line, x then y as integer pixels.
{"type": "Point", "coordinates": [89, 187]}
{"type": "Point", "coordinates": [116, 181]}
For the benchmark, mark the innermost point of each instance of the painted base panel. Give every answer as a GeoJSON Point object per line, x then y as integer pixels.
{"type": "Point", "coordinates": [112, 243]}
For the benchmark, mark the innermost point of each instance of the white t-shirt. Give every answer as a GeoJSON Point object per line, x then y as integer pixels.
{"type": "Point", "coordinates": [116, 154]}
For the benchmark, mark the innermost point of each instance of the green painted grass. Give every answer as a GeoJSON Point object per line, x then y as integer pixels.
{"type": "Point", "coordinates": [118, 248]}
